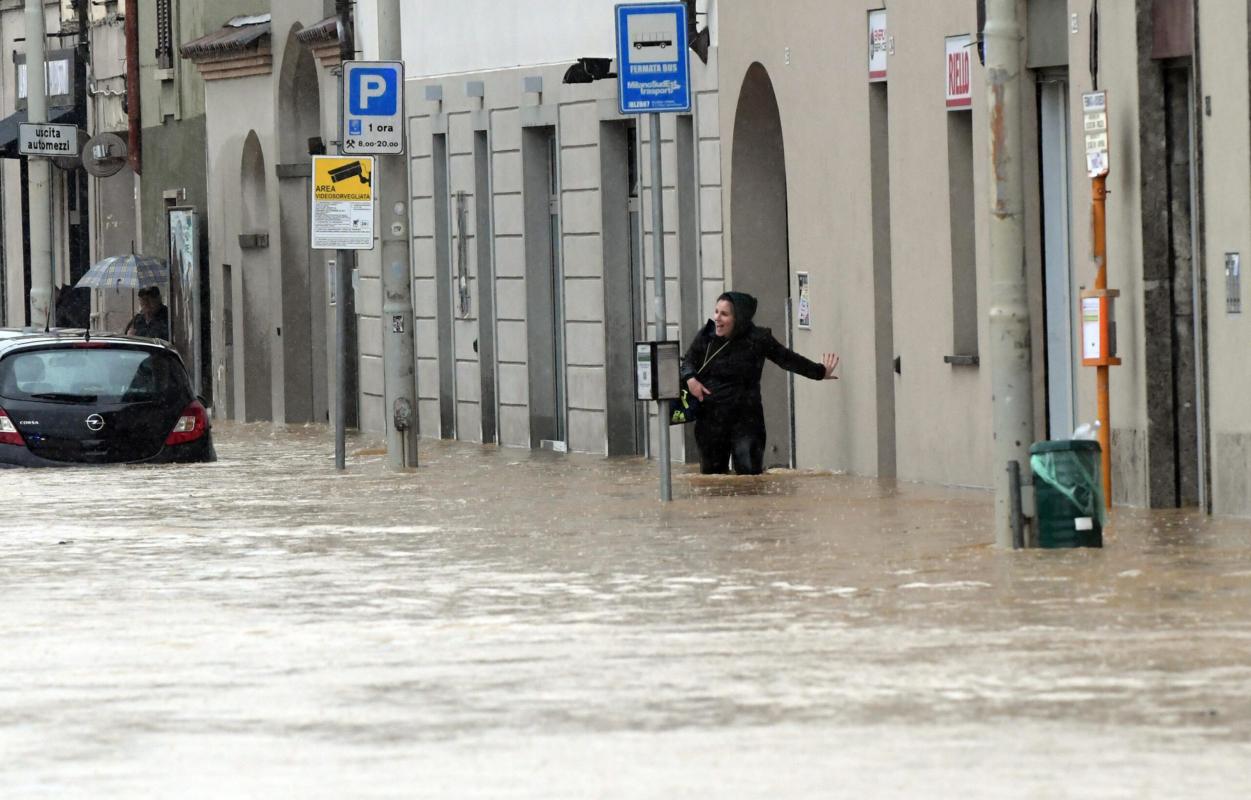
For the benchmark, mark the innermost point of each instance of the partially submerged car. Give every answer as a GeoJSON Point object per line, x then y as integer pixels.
{"type": "Point", "coordinates": [68, 397]}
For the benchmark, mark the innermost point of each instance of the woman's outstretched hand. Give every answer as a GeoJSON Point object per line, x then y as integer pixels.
{"type": "Point", "coordinates": [697, 389]}
{"type": "Point", "coordinates": [830, 362]}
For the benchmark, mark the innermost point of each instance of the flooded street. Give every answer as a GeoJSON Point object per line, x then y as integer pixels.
{"type": "Point", "coordinates": [511, 624]}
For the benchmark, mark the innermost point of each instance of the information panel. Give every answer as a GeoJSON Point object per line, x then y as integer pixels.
{"type": "Point", "coordinates": [42, 139]}
{"type": "Point", "coordinates": [343, 203]}
{"type": "Point", "coordinates": [1095, 123]}
{"type": "Point", "coordinates": [373, 108]}
{"type": "Point", "coordinates": [653, 68]}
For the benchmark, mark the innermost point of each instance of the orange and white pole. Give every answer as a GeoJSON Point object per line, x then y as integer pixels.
{"type": "Point", "coordinates": [1099, 216]}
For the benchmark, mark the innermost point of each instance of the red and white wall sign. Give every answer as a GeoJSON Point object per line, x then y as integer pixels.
{"type": "Point", "coordinates": [959, 72]}
{"type": "Point", "coordinates": [877, 45]}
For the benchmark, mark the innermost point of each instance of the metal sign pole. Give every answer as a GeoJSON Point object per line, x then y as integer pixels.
{"type": "Point", "coordinates": [658, 254]}
{"type": "Point", "coordinates": [1010, 358]}
{"type": "Point", "coordinates": [398, 355]}
{"type": "Point", "coordinates": [39, 170]}
{"type": "Point", "coordinates": [343, 283]}
{"type": "Point", "coordinates": [653, 76]}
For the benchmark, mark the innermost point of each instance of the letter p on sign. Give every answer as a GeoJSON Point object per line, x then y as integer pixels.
{"type": "Point", "coordinates": [376, 93]}
{"type": "Point", "coordinates": [372, 122]}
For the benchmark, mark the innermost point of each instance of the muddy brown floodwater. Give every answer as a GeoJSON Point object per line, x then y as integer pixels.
{"type": "Point", "coordinates": [509, 624]}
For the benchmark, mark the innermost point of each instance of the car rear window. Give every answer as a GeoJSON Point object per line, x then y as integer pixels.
{"type": "Point", "coordinates": [91, 374]}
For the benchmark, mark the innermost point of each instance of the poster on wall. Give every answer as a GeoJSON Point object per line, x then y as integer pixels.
{"type": "Point", "coordinates": [184, 289]}
{"type": "Point", "coordinates": [877, 45]}
{"type": "Point", "coordinates": [805, 302]}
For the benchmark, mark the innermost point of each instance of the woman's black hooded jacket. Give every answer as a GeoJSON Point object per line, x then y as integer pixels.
{"type": "Point", "coordinates": [730, 368]}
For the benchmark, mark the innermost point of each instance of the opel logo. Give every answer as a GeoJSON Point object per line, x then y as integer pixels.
{"type": "Point", "coordinates": [95, 422]}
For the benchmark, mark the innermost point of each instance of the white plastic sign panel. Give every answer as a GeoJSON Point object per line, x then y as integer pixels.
{"type": "Point", "coordinates": [959, 72]}
{"type": "Point", "coordinates": [668, 370]}
{"type": "Point", "coordinates": [643, 370]}
{"type": "Point", "coordinates": [373, 108]}
{"type": "Point", "coordinates": [42, 139]}
{"type": "Point", "coordinates": [1095, 124]}
{"type": "Point", "coordinates": [877, 45]}
{"type": "Point", "coordinates": [343, 203]}
{"type": "Point", "coordinates": [1091, 346]}
{"type": "Point", "coordinates": [653, 66]}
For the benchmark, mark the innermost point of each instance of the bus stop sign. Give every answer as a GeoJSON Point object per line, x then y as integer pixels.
{"type": "Point", "coordinates": [653, 66]}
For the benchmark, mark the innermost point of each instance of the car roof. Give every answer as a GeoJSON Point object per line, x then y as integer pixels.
{"type": "Point", "coordinates": [21, 338]}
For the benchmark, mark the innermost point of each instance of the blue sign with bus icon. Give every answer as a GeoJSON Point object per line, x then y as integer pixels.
{"type": "Point", "coordinates": [653, 66]}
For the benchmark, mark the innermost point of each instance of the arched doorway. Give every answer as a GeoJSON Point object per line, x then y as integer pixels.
{"type": "Point", "coordinates": [303, 301]}
{"type": "Point", "coordinates": [759, 240]}
{"type": "Point", "coordinates": [254, 284]}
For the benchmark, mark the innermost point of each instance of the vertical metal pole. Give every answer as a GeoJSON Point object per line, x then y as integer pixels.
{"type": "Point", "coordinates": [39, 170]}
{"type": "Point", "coordinates": [1103, 403]}
{"type": "Point", "coordinates": [398, 358]}
{"type": "Point", "coordinates": [343, 285]}
{"type": "Point", "coordinates": [342, 266]}
{"type": "Point", "coordinates": [1018, 518]}
{"type": "Point", "coordinates": [662, 322]}
{"type": "Point", "coordinates": [1011, 367]}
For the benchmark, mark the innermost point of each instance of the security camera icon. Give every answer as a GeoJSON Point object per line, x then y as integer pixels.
{"type": "Point", "coordinates": [353, 170]}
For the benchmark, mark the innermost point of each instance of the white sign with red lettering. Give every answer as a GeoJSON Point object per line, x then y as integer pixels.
{"type": "Point", "coordinates": [877, 45]}
{"type": "Point", "coordinates": [959, 72]}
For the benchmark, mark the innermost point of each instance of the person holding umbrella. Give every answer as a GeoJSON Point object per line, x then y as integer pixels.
{"type": "Point", "coordinates": [152, 320]}
{"type": "Point", "coordinates": [131, 271]}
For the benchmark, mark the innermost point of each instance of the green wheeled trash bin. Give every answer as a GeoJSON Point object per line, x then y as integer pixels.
{"type": "Point", "coordinates": [1068, 493]}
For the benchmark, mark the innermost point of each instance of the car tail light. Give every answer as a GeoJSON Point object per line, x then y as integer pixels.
{"type": "Point", "coordinates": [8, 431]}
{"type": "Point", "coordinates": [191, 425]}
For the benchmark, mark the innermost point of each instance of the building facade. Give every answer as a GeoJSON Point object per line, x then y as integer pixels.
{"type": "Point", "coordinates": [835, 164]}
{"type": "Point", "coordinates": [271, 102]}
{"type": "Point", "coordinates": [883, 160]}
{"type": "Point", "coordinates": [72, 32]}
{"type": "Point", "coordinates": [532, 234]}
{"type": "Point", "coordinates": [173, 202]}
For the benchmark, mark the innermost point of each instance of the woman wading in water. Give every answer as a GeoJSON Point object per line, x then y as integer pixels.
{"type": "Point", "coordinates": [722, 370]}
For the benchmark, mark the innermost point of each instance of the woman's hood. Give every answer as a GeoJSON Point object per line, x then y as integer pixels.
{"type": "Point", "coordinates": [744, 309]}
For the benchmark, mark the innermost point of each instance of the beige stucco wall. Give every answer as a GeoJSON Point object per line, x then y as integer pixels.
{"type": "Point", "coordinates": [1227, 208]}
{"type": "Point", "coordinates": [576, 111]}
{"type": "Point", "coordinates": [235, 109]}
{"type": "Point", "coordinates": [816, 55]}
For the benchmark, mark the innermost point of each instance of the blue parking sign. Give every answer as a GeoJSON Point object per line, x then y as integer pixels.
{"type": "Point", "coordinates": [653, 66]}
{"type": "Point", "coordinates": [373, 108]}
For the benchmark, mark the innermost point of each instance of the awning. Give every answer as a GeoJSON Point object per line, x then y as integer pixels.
{"type": "Point", "coordinates": [61, 115]}
{"type": "Point", "coordinates": [238, 35]}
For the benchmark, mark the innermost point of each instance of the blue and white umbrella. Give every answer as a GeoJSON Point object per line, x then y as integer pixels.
{"type": "Point", "coordinates": [127, 271]}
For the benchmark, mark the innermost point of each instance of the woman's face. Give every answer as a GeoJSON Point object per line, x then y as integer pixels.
{"type": "Point", "coordinates": [723, 317]}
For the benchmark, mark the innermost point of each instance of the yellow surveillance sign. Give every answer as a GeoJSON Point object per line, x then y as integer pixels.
{"type": "Point", "coordinates": [343, 203]}
{"type": "Point", "coordinates": [337, 178]}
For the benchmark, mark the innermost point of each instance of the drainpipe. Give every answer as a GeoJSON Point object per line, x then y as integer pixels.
{"type": "Point", "coordinates": [1010, 357]}
{"type": "Point", "coordinates": [39, 171]}
{"type": "Point", "coordinates": [135, 120]}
